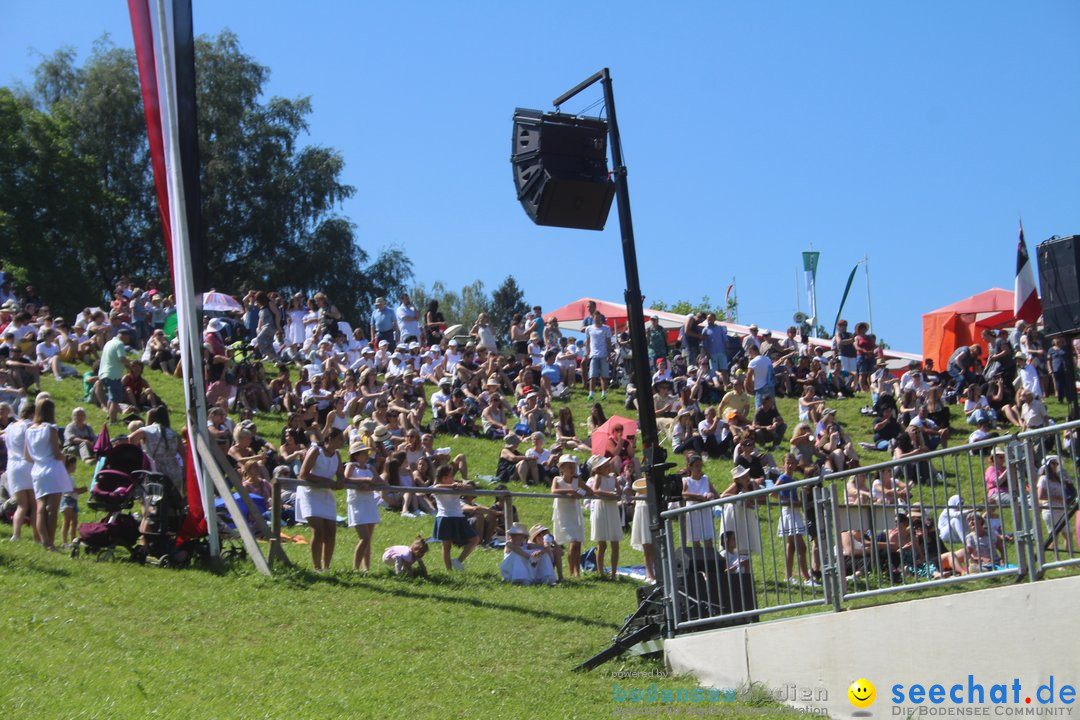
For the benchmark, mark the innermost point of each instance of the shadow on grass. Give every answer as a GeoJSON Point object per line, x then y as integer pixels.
{"type": "Point", "coordinates": [22, 564]}
{"type": "Point", "coordinates": [303, 579]}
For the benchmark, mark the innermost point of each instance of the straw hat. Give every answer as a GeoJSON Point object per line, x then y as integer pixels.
{"type": "Point", "coordinates": [640, 486]}
{"type": "Point", "coordinates": [537, 529]}
{"type": "Point", "coordinates": [598, 461]}
{"type": "Point", "coordinates": [568, 460]}
{"type": "Point", "coordinates": [739, 472]}
{"type": "Point", "coordinates": [381, 433]}
{"type": "Point", "coordinates": [517, 529]}
{"type": "Point", "coordinates": [358, 446]}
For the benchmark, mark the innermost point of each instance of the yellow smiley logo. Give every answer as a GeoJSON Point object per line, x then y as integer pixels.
{"type": "Point", "coordinates": [862, 693]}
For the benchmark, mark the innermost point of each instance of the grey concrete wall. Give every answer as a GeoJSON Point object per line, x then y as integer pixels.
{"type": "Point", "coordinates": [1027, 632]}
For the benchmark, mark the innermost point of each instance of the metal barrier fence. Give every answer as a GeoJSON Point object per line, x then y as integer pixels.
{"type": "Point", "coordinates": [1000, 508]}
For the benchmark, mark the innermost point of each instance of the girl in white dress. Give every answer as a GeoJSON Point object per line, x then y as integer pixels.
{"type": "Point", "coordinates": [640, 534]}
{"type": "Point", "coordinates": [19, 482]}
{"type": "Point", "coordinates": [50, 477]}
{"type": "Point", "coordinates": [566, 519]}
{"type": "Point", "coordinates": [295, 332]}
{"type": "Point", "coordinates": [363, 509]}
{"type": "Point", "coordinates": [741, 518]}
{"type": "Point", "coordinates": [605, 517]}
{"type": "Point", "coordinates": [322, 473]}
{"type": "Point", "coordinates": [516, 566]}
{"type": "Point", "coordinates": [698, 488]}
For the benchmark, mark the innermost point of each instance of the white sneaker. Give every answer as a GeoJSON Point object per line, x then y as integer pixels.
{"type": "Point", "coordinates": [590, 395]}
{"type": "Point", "coordinates": [457, 565]}
{"type": "Point", "coordinates": [811, 583]}
{"type": "Point", "coordinates": [408, 514]}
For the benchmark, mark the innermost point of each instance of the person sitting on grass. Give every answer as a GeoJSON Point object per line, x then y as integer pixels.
{"type": "Point", "coordinates": [451, 527]}
{"type": "Point", "coordinates": [538, 467]}
{"type": "Point", "coordinates": [407, 560]}
{"type": "Point", "coordinates": [983, 549]}
{"type": "Point", "coordinates": [522, 563]}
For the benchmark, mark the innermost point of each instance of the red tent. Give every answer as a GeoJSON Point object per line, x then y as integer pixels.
{"type": "Point", "coordinates": [599, 438]}
{"type": "Point", "coordinates": [962, 323]}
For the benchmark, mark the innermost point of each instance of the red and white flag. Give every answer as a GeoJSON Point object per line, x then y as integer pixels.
{"type": "Point", "coordinates": [1026, 305]}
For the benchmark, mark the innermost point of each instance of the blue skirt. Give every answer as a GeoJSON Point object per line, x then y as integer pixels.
{"type": "Point", "coordinates": [456, 530]}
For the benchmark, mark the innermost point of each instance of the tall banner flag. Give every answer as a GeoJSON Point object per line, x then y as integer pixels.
{"type": "Point", "coordinates": [165, 52]}
{"type": "Point", "coordinates": [847, 289]}
{"type": "Point", "coordinates": [1026, 304]}
{"type": "Point", "coordinates": [809, 264]}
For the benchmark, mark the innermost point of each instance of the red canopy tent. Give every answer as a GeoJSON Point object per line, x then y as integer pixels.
{"type": "Point", "coordinates": [962, 323]}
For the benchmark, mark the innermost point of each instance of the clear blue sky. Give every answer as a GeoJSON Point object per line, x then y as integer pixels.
{"type": "Point", "coordinates": [915, 133]}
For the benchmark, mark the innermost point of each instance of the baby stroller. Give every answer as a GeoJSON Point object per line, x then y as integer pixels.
{"type": "Point", "coordinates": [164, 510]}
{"type": "Point", "coordinates": [117, 487]}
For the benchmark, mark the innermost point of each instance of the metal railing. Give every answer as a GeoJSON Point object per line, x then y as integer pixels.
{"type": "Point", "coordinates": [913, 524]}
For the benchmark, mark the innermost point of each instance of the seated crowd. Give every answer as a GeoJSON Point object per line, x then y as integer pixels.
{"type": "Point", "coordinates": [364, 388]}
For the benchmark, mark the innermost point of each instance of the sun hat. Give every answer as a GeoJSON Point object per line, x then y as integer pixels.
{"type": "Point", "coordinates": [568, 460]}
{"type": "Point", "coordinates": [598, 461]}
{"type": "Point", "coordinates": [512, 440]}
{"type": "Point", "coordinates": [517, 529]}
{"type": "Point", "coordinates": [384, 343]}
{"type": "Point", "coordinates": [380, 300]}
{"type": "Point", "coordinates": [358, 446]}
{"type": "Point", "coordinates": [381, 433]}
{"type": "Point", "coordinates": [215, 325]}
{"type": "Point", "coordinates": [368, 426]}
{"type": "Point", "coordinates": [739, 472]}
{"type": "Point", "coordinates": [445, 381]}
{"type": "Point", "coordinates": [453, 342]}
{"type": "Point", "coordinates": [537, 529]}
{"type": "Point", "coordinates": [955, 501]}
{"type": "Point", "coordinates": [640, 486]}
{"type": "Point", "coordinates": [492, 380]}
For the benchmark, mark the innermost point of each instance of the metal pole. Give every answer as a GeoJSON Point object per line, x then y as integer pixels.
{"type": "Point", "coordinates": [636, 320]}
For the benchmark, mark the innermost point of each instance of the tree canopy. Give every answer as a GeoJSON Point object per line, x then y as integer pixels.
{"type": "Point", "coordinates": [78, 209]}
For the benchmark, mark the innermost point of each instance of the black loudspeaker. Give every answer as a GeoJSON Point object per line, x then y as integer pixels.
{"type": "Point", "coordinates": [560, 169]}
{"type": "Point", "coordinates": [1059, 281]}
{"type": "Point", "coordinates": [705, 589]}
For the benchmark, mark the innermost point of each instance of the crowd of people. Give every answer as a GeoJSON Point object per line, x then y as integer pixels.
{"type": "Point", "coordinates": [384, 388]}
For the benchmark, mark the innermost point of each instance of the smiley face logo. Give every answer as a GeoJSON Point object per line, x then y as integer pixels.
{"type": "Point", "coordinates": [862, 693]}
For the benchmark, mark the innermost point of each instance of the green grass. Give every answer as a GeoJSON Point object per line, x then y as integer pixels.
{"type": "Point", "coordinates": [112, 639]}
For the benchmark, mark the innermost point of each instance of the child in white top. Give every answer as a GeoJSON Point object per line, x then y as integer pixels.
{"type": "Point", "coordinates": [403, 557]}
{"type": "Point", "coordinates": [360, 499]}
{"type": "Point", "coordinates": [451, 526]}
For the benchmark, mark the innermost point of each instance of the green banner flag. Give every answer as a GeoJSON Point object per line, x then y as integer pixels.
{"type": "Point", "coordinates": [809, 263]}
{"type": "Point", "coordinates": [847, 289]}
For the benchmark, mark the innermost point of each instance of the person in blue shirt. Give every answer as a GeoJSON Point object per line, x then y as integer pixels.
{"type": "Point", "coordinates": [383, 324]}
{"type": "Point", "coordinates": [714, 338]}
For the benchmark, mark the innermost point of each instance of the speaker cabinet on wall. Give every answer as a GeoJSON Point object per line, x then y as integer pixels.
{"type": "Point", "coordinates": [1059, 282]}
{"type": "Point", "coordinates": [560, 169]}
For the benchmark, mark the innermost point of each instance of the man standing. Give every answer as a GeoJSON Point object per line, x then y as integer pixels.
{"type": "Point", "coordinates": [113, 363]}
{"type": "Point", "coordinates": [656, 338]}
{"type": "Point", "coordinates": [597, 350]}
{"type": "Point", "coordinates": [761, 374]}
{"type": "Point", "coordinates": [408, 320]}
{"type": "Point", "coordinates": [383, 324]}
{"type": "Point", "coordinates": [844, 347]}
{"type": "Point", "coordinates": [692, 337]}
{"type": "Point", "coordinates": [714, 339]}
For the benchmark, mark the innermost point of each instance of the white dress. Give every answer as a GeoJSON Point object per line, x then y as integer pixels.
{"type": "Point", "coordinates": [363, 507]}
{"type": "Point", "coordinates": [605, 519]}
{"type": "Point", "coordinates": [318, 502]}
{"type": "Point", "coordinates": [743, 522]}
{"type": "Point", "coordinates": [640, 534]}
{"type": "Point", "coordinates": [48, 474]}
{"type": "Point", "coordinates": [699, 523]}
{"type": "Point", "coordinates": [18, 470]}
{"type": "Point", "coordinates": [567, 523]}
{"type": "Point", "coordinates": [295, 332]}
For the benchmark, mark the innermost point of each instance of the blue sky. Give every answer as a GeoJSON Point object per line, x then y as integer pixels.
{"type": "Point", "coordinates": [914, 133]}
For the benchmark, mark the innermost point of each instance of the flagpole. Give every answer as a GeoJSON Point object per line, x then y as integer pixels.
{"type": "Point", "coordinates": [869, 309]}
{"type": "Point", "coordinates": [798, 307]}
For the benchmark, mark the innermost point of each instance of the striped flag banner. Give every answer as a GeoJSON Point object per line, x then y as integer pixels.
{"type": "Point", "coordinates": [1026, 303]}
{"type": "Point", "coordinates": [847, 289]}
{"type": "Point", "coordinates": [165, 51]}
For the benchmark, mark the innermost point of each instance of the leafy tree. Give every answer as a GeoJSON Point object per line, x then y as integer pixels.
{"type": "Point", "coordinates": [507, 300]}
{"type": "Point", "coordinates": [461, 307]}
{"type": "Point", "coordinates": [270, 205]}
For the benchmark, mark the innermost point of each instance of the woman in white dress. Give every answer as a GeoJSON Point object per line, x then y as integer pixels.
{"type": "Point", "coordinates": [1053, 495]}
{"type": "Point", "coordinates": [605, 518]}
{"type": "Point", "coordinates": [50, 477]}
{"type": "Point", "coordinates": [697, 488]}
{"type": "Point", "coordinates": [640, 534]}
{"type": "Point", "coordinates": [740, 517]}
{"type": "Point", "coordinates": [360, 499]}
{"type": "Point", "coordinates": [566, 519]}
{"type": "Point", "coordinates": [19, 482]}
{"type": "Point", "coordinates": [322, 473]}
{"type": "Point", "coordinates": [295, 331]}
{"type": "Point", "coordinates": [311, 322]}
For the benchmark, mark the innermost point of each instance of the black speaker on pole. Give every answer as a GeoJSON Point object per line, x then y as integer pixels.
{"type": "Point", "coordinates": [1059, 281]}
{"type": "Point", "coordinates": [560, 169]}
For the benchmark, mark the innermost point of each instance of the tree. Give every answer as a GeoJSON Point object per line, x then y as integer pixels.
{"type": "Point", "coordinates": [507, 300]}
{"type": "Point", "coordinates": [463, 307]}
{"type": "Point", "coordinates": [270, 205]}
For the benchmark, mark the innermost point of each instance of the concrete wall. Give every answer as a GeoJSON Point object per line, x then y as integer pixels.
{"type": "Point", "coordinates": [1027, 632]}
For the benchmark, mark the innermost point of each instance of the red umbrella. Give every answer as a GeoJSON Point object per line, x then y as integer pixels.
{"type": "Point", "coordinates": [602, 434]}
